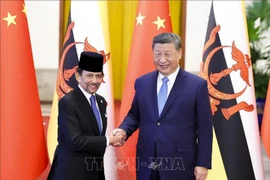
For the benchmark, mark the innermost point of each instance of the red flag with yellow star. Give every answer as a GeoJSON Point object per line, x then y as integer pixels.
{"type": "Point", "coordinates": [153, 18]}
{"type": "Point", "coordinates": [266, 123]}
{"type": "Point", "coordinates": [23, 147]}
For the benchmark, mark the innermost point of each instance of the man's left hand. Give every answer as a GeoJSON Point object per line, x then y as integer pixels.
{"type": "Point", "coordinates": [200, 173]}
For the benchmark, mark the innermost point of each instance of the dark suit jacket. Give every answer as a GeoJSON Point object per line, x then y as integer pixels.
{"type": "Point", "coordinates": [173, 135]}
{"type": "Point", "coordinates": [80, 150]}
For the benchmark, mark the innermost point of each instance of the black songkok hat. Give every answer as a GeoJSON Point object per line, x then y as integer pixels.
{"type": "Point", "coordinates": [91, 61]}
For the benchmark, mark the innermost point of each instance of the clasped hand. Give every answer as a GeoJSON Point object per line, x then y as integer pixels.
{"type": "Point", "coordinates": [118, 137]}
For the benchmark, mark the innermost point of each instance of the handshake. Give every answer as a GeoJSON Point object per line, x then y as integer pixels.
{"type": "Point", "coordinates": [117, 137]}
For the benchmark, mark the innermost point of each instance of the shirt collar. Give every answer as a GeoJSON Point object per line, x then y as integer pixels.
{"type": "Point", "coordinates": [171, 77]}
{"type": "Point", "coordinates": [86, 94]}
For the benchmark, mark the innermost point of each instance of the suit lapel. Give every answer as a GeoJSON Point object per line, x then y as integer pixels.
{"type": "Point", "coordinates": [101, 105]}
{"type": "Point", "coordinates": [86, 109]}
{"type": "Point", "coordinates": [154, 93]}
{"type": "Point", "coordinates": [178, 86]}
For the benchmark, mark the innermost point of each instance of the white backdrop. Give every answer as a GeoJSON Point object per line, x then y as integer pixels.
{"type": "Point", "coordinates": [43, 21]}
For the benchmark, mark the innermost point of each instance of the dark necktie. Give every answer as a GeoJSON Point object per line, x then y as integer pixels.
{"type": "Point", "coordinates": [96, 112]}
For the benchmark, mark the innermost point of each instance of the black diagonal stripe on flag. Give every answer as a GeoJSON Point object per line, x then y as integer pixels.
{"type": "Point", "coordinates": [71, 59]}
{"type": "Point", "coordinates": [230, 133]}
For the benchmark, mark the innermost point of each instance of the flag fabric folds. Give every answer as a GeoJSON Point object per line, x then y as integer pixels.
{"type": "Point", "coordinates": [87, 30]}
{"type": "Point", "coordinates": [265, 129]}
{"type": "Point", "coordinates": [152, 18]}
{"type": "Point", "coordinates": [227, 68]}
{"type": "Point", "coordinates": [23, 146]}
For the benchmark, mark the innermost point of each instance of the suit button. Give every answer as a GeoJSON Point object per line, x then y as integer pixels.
{"type": "Point", "coordinates": [158, 123]}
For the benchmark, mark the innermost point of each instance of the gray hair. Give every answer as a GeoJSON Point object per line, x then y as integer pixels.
{"type": "Point", "coordinates": [167, 38]}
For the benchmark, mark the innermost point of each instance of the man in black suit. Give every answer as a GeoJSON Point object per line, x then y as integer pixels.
{"type": "Point", "coordinates": [82, 123]}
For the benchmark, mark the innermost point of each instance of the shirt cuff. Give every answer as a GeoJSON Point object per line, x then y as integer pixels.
{"type": "Point", "coordinates": [107, 141]}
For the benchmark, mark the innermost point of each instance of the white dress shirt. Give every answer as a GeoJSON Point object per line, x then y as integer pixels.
{"type": "Point", "coordinates": [170, 83]}
{"type": "Point", "coordinates": [88, 96]}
